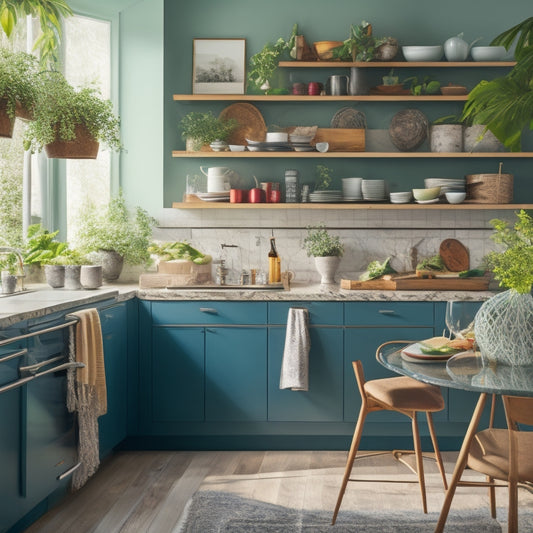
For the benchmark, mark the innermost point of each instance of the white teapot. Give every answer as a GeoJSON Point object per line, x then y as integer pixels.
{"type": "Point", "coordinates": [457, 49]}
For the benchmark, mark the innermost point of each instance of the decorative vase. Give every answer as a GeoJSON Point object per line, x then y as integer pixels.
{"type": "Point", "coordinates": [112, 263]}
{"type": "Point", "coordinates": [55, 275]}
{"type": "Point", "coordinates": [72, 277]}
{"type": "Point", "coordinates": [473, 143]}
{"type": "Point", "coordinates": [9, 283]}
{"type": "Point", "coordinates": [504, 329]}
{"type": "Point", "coordinates": [91, 276]}
{"type": "Point", "coordinates": [327, 267]}
{"type": "Point", "coordinates": [446, 138]}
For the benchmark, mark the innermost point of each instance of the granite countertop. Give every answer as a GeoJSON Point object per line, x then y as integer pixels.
{"type": "Point", "coordinates": [41, 300]}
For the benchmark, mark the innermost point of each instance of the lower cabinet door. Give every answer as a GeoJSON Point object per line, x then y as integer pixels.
{"type": "Point", "coordinates": [323, 401]}
{"type": "Point", "coordinates": [361, 343]}
{"type": "Point", "coordinates": [236, 374]}
{"type": "Point", "coordinates": [177, 374]}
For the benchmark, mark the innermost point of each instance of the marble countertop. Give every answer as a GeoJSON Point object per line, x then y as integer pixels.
{"type": "Point", "coordinates": [41, 300]}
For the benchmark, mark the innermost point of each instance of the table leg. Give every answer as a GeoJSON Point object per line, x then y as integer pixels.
{"type": "Point", "coordinates": [461, 461]}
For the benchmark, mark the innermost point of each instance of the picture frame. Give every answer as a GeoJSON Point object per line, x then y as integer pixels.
{"type": "Point", "coordinates": [219, 66]}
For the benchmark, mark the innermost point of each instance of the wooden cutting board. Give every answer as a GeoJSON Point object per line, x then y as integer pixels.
{"type": "Point", "coordinates": [414, 283]}
{"type": "Point", "coordinates": [454, 255]}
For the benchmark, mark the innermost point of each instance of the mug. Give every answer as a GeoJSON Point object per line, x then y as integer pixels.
{"type": "Point", "coordinates": [338, 85]}
{"type": "Point", "coordinates": [237, 196]}
{"type": "Point", "coordinates": [314, 88]}
{"type": "Point", "coordinates": [267, 187]}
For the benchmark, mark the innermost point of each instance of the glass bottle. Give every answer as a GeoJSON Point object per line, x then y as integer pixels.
{"type": "Point", "coordinates": [274, 267]}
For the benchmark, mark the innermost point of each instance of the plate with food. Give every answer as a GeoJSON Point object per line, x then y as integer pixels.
{"type": "Point", "coordinates": [436, 349]}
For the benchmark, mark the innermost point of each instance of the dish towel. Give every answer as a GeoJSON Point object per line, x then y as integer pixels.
{"type": "Point", "coordinates": [86, 392]}
{"type": "Point", "coordinates": [295, 363]}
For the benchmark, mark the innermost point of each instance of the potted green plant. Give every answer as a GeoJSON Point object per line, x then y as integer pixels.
{"type": "Point", "coordinates": [504, 105]}
{"type": "Point", "coordinates": [503, 324]}
{"type": "Point", "coordinates": [360, 45]}
{"type": "Point", "coordinates": [19, 85]}
{"type": "Point", "coordinates": [200, 129]}
{"type": "Point", "coordinates": [117, 234]}
{"type": "Point", "coordinates": [8, 272]}
{"type": "Point", "coordinates": [326, 249]}
{"type": "Point", "coordinates": [70, 123]}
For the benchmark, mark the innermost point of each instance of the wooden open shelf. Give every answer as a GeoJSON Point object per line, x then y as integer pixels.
{"type": "Point", "coordinates": [395, 64]}
{"type": "Point", "coordinates": [351, 206]}
{"type": "Point", "coordinates": [359, 155]}
{"type": "Point", "coordinates": [318, 98]}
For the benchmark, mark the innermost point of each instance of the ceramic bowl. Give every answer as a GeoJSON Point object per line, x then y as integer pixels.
{"type": "Point", "coordinates": [277, 137]}
{"type": "Point", "coordinates": [423, 53]}
{"type": "Point", "coordinates": [401, 197]}
{"type": "Point", "coordinates": [488, 53]}
{"type": "Point", "coordinates": [423, 195]}
{"type": "Point", "coordinates": [322, 147]}
{"type": "Point", "coordinates": [455, 197]}
{"type": "Point", "coordinates": [237, 147]}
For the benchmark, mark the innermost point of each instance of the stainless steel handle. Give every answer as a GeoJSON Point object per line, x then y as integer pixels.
{"type": "Point", "coordinates": [13, 355]}
{"type": "Point", "coordinates": [210, 310]}
{"type": "Point", "coordinates": [387, 311]}
{"type": "Point", "coordinates": [68, 472]}
{"type": "Point", "coordinates": [32, 369]}
{"type": "Point", "coordinates": [35, 333]}
{"type": "Point", "coordinates": [15, 384]}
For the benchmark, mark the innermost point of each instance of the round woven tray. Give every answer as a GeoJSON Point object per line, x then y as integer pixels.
{"type": "Point", "coordinates": [348, 117]}
{"type": "Point", "coordinates": [489, 188]}
{"type": "Point", "coordinates": [251, 123]}
{"type": "Point", "coordinates": [408, 129]}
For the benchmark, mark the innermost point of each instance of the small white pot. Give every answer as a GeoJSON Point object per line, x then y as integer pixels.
{"type": "Point", "coordinates": [91, 276]}
{"type": "Point", "coordinates": [327, 267]}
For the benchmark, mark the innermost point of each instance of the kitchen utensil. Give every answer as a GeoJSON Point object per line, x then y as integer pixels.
{"type": "Point", "coordinates": [454, 255]}
{"type": "Point", "coordinates": [218, 178]}
{"type": "Point", "coordinates": [455, 197]}
{"type": "Point", "coordinates": [358, 83]}
{"type": "Point", "coordinates": [237, 196]}
{"type": "Point", "coordinates": [426, 194]}
{"type": "Point", "coordinates": [457, 49]}
{"type": "Point", "coordinates": [337, 85]}
{"type": "Point", "coordinates": [314, 88]}
{"type": "Point", "coordinates": [251, 123]}
{"type": "Point", "coordinates": [422, 53]}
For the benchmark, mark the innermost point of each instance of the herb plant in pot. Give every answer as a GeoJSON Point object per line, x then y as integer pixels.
{"type": "Point", "coordinates": [8, 273]}
{"type": "Point", "coordinates": [70, 123]}
{"type": "Point", "coordinates": [117, 234]}
{"type": "Point", "coordinates": [326, 249]}
{"type": "Point", "coordinates": [199, 130]}
{"type": "Point", "coordinates": [504, 324]}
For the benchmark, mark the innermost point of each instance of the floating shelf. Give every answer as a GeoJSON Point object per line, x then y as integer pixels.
{"type": "Point", "coordinates": [325, 98]}
{"type": "Point", "coordinates": [355, 155]}
{"type": "Point", "coordinates": [351, 206]}
{"type": "Point", "coordinates": [394, 64]}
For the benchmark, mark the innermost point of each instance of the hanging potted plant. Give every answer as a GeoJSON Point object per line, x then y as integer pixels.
{"type": "Point", "coordinates": [326, 249]}
{"type": "Point", "coordinates": [117, 234]}
{"type": "Point", "coordinates": [503, 325]}
{"type": "Point", "coordinates": [70, 123]}
{"type": "Point", "coordinates": [19, 85]}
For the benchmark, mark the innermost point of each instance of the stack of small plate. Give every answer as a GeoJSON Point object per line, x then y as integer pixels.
{"type": "Point", "coordinates": [446, 184]}
{"type": "Point", "coordinates": [214, 196]}
{"type": "Point", "coordinates": [323, 197]}
{"type": "Point", "coordinates": [401, 197]}
{"type": "Point", "coordinates": [373, 190]}
{"type": "Point", "coordinates": [275, 146]}
{"type": "Point", "coordinates": [351, 189]}
{"type": "Point", "coordinates": [301, 143]}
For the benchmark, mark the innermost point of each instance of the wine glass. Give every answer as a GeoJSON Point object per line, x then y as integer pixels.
{"type": "Point", "coordinates": [460, 318]}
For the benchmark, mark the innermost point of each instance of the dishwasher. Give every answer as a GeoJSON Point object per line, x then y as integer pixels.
{"type": "Point", "coordinates": [33, 393]}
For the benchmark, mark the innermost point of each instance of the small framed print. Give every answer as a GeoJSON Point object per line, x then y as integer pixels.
{"type": "Point", "coordinates": [219, 66]}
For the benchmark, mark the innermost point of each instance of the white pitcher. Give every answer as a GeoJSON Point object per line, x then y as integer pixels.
{"type": "Point", "coordinates": [218, 178]}
{"type": "Point", "coordinates": [457, 49]}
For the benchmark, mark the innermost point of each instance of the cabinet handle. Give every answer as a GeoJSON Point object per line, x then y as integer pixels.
{"type": "Point", "coordinates": [32, 369]}
{"type": "Point", "coordinates": [210, 310]}
{"type": "Point", "coordinates": [387, 311]}
{"type": "Point", "coordinates": [13, 355]}
{"type": "Point", "coordinates": [68, 472]}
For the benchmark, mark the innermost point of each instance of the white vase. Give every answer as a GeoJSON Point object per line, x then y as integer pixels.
{"type": "Point", "coordinates": [327, 267]}
{"type": "Point", "coordinates": [504, 329]}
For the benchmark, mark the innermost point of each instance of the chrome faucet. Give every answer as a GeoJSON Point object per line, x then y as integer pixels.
{"type": "Point", "coordinates": [8, 250]}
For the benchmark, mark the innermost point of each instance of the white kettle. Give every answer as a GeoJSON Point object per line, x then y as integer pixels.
{"type": "Point", "coordinates": [457, 49]}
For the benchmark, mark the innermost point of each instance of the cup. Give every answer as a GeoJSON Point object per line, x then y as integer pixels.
{"type": "Point", "coordinates": [275, 196]}
{"type": "Point", "coordinates": [314, 88]}
{"type": "Point", "coordinates": [236, 196]}
{"type": "Point", "coordinates": [338, 85]}
{"type": "Point", "coordinates": [267, 187]}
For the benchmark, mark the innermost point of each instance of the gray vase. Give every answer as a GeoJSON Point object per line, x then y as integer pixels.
{"type": "Point", "coordinates": [112, 263]}
{"type": "Point", "coordinates": [55, 275]}
{"type": "Point", "coordinates": [91, 276]}
{"type": "Point", "coordinates": [327, 267]}
{"type": "Point", "coordinates": [446, 138]}
{"type": "Point", "coordinates": [9, 283]}
{"type": "Point", "coordinates": [72, 277]}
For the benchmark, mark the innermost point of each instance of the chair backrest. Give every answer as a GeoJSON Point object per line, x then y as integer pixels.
{"type": "Point", "coordinates": [360, 377]}
{"type": "Point", "coordinates": [518, 410]}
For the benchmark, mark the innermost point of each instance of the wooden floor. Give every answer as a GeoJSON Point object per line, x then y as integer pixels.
{"type": "Point", "coordinates": [147, 491]}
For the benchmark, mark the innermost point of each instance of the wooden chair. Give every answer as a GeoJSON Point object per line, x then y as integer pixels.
{"type": "Point", "coordinates": [404, 395]}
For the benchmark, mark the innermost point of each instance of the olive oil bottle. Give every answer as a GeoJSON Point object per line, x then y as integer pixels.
{"type": "Point", "coordinates": [274, 263]}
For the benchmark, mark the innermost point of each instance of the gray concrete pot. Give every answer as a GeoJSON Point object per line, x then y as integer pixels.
{"type": "Point", "coordinates": [55, 275]}
{"type": "Point", "coordinates": [72, 277]}
{"type": "Point", "coordinates": [91, 276]}
{"type": "Point", "coordinates": [9, 283]}
{"type": "Point", "coordinates": [473, 143]}
{"type": "Point", "coordinates": [112, 264]}
{"type": "Point", "coordinates": [327, 267]}
{"type": "Point", "coordinates": [446, 138]}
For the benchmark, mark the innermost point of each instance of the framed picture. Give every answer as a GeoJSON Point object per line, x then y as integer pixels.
{"type": "Point", "coordinates": [219, 66]}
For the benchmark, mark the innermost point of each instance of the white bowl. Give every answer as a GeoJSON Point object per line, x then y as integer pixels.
{"type": "Point", "coordinates": [237, 147]}
{"type": "Point", "coordinates": [322, 147]}
{"type": "Point", "coordinates": [423, 53]}
{"type": "Point", "coordinates": [424, 195]}
{"type": "Point", "coordinates": [277, 137]}
{"type": "Point", "coordinates": [455, 197]}
{"type": "Point", "coordinates": [488, 53]}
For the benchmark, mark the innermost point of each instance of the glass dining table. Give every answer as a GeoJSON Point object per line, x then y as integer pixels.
{"type": "Point", "coordinates": [465, 371]}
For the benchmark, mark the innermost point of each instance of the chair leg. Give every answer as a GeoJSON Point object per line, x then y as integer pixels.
{"type": "Point", "coordinates": [351, 458]}
{"type": "Point", "coordinates": [513, 508]}
{"type": "Point", "coordinates": [438, 456]}
{"type": "Point", "coordinates": [492, 497]}
{"type": "Point", "coordinates": [419, 462]}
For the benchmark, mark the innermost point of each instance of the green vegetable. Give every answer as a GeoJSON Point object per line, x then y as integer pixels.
{"type": "Point", "coordinates": [473, 273]}
{"type": "Point", "coordinates": [169, 251]}
{"type": "Point", "coordinates": [375, 269]}
{"type": "Point", "coordinates": [442, 350]}
{"type": "Point", "coordinates": [432, 263]}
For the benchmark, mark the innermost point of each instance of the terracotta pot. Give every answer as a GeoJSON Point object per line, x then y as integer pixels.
{"type": "Point", "coordinates": [83, 146]}
{"type": "Point", "coordinates": [23, 112]}
{"type": "Point", "coordinates": [6, 122]}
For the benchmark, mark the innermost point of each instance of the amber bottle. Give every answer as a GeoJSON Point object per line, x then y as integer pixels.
{"type": "Point", "coordinates": [274, 267]}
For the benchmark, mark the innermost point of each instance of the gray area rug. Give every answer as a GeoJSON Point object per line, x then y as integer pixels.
{"type": "Point", "coordinates": [222, 512]}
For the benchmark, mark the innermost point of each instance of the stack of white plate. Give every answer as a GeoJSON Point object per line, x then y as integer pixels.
{"type": "Point", "coordinates": [325, 196]}
{"type": "Point", "coordinates": [401, 197]}
{"type": "Point", "coordinates": [213, 196]}
{"type": "Point", "coordinates": [373, 190]}
{"type": "Point", "coordinates": [446, 184]}
{"type": "Point", "coordinates": [301, 143]}
{"type": "Point", "coordinates": [351, 189]}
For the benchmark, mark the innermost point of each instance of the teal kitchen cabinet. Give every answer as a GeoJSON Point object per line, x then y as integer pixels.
{"type": "Point", "coordinates": [113, 425]}
{"type": "Point", "coordinates": [323, 402]}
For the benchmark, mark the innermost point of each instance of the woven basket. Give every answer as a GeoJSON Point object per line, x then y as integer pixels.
{"type": "Point", "coordinates": [489, 188]}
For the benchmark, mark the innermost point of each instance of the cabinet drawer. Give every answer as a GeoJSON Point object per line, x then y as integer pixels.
{"type": "Point", "coordinates": [325, 313]}
{"type": "Point", "coordinates": [209, 313]}
{"type": "Point", "coordinates": [388, 314]}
